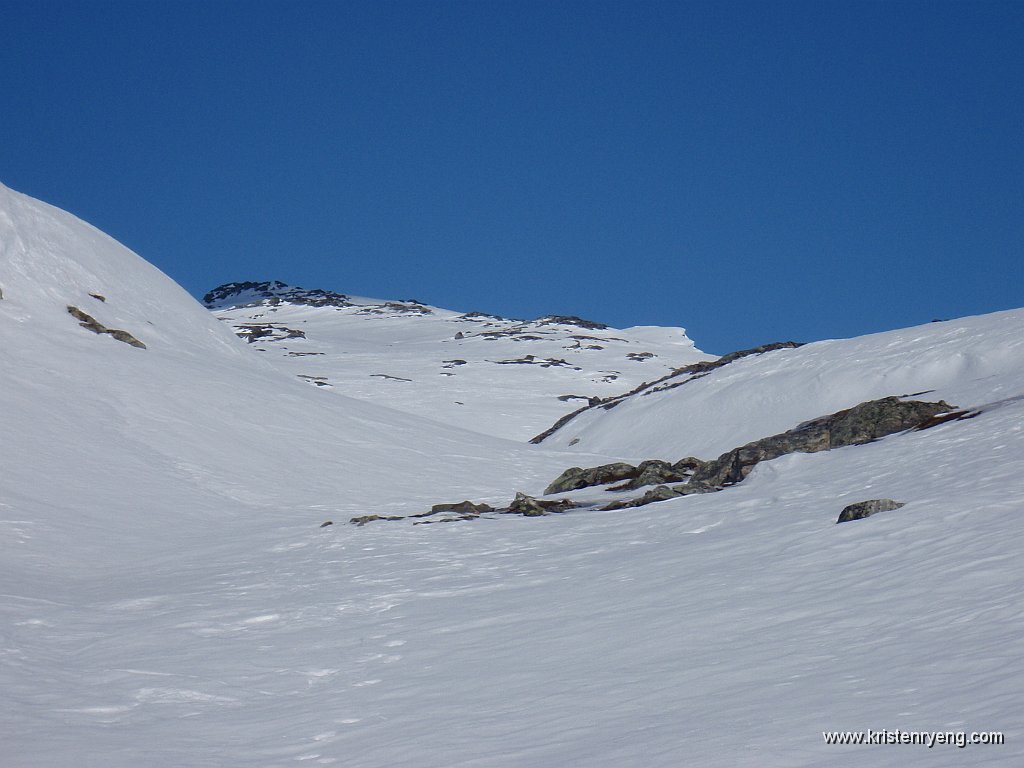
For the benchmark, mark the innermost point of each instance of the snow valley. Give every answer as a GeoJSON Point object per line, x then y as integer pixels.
{"type": "Point", "coordinates": [641, 564]}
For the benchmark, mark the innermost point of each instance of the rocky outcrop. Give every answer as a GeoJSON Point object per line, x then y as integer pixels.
{"type": "Point", "coordinates": [528, 506]}
{"type": "Point", "coordinates": [267, 332]}
{"type": "Point", "coordinates": [272, 293]}
{"type": "Point", "coordinates": [656, 472]}
{"type": "Point", "coordinates": [860, 424]}
{"type": "Point", "coordinates": [462, 510]}
{"type": "Point", "coordinates": [867, 508]}
{"type": "Point", "coordinates": [579, 322]}
{"type": "Point", "coordinates": [364, 519]}
{"type": "Point", "coordinates": [89, 322]}
{"type": "Point", "coordinates": [575, 478]}
{"type": "Point", "coordinates": [863, 423]}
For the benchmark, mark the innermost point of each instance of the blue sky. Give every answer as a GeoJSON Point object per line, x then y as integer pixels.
{"type": "Point", "coordinates": [751, 171]}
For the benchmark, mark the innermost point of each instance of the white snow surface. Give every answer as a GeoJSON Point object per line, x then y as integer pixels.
{"type": "Point", "coordinates": [168, 599]}
{"type": "Point", "coordinates": [509, 378]}
{"type": "Point", "coordinates": [968, 362]}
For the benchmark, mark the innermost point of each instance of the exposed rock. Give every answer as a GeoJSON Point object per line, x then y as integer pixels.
{"type": "Point", "coordinates": [527, 506]}
{"type": "Point", "coordinates": [578, 477]}
{"type": "Point", "coordinates": [465, 510]}
{"type": "Point", "coordinates": [654, 472]}
{"type": "Point", "coordinates": [273, 293]}
{"type": "Point", "coordinates": [863, 423]}
{"type": "Point", "coordinates": [579, 322]}
{"type": "Point", "coordinates": [867, 508]}
{"type": "Point", "coordinates": [942, 418]}
{"type": "Point", "coordinates": [479, 316]}
{"type": "Point", "coordinates": [326, 523]}
{"type": "Point", "coordinates": [549, 362]}
{"type": "Point", "coordinates": [88, 321]}
{"type": "Point", "coordinates": [267, 331]}
{"type": "Point", "coordinates": [98, 297]}
{"type": "Point", "coordinates": [663, 493]}
{"type": "Point", "coordinates": [364, 519]}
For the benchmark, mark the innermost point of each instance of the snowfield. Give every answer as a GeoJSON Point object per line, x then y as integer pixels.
{"type": "Point", "coordinates": [168, 597]}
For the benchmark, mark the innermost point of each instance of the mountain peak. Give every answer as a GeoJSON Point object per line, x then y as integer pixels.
{"type": "Point", "coordinates": [274, 292]}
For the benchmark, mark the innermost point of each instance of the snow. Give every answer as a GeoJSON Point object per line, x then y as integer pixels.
{"type": "Point", "coordinates": [169, 599]}
{"type": "Point", "coordinates": [493, 375]}
{"type": "Point", "coordinates": [968, 362]}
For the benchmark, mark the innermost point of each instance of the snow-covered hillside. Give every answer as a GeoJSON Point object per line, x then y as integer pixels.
{"type": "Point", "coordinates": [168, 597]}
{"type": "Point", "coordinates": [508, 378]}
{"type": "Point", "coordinates": [969, 362]}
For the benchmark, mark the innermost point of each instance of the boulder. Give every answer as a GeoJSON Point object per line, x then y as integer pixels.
{"type": "Point", "coordinates": [578, 477]}
{"type": "Point", "coordinates": [867, 508]}
{"type": "Point", "coordinates": [527, 506]}
{"type": "Point", "coordinates": [464, 509]}
{"type": "Point", "coordinates": [652, 472]}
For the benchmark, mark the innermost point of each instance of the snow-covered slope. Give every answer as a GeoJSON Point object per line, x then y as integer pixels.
{"type": "Point", "coordinates": [508, 378]}
{"type": "Point", "coordinates": [167, 597]}
{"type": "Point", "coordinates": [193, 422]}
{"type": "Point", "coordinates": [968, 362]}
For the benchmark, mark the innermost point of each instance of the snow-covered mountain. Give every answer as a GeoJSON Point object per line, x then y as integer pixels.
{"type": "Point", "coordinates": [509, 378]}
{"type": "Point", "coordinates": [169, 597]}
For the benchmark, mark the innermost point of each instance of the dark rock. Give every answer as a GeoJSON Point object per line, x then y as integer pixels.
{"type": "Point", "coordinates": [688, 466]}
{"type": "Point", "coordinates": [660, 493]}
{"type": "Point", "coordinates": [861, 424]}
{"type": "Point", "coordinates": [269, 331]}
{"type": "Point", "coordinates": [527, 506]}
{"type": "Point", "coordinates": [325, 524]}
{"type": "Point", "coordinates": [652, 472]}
{"type": "Point", "coordinates": [364, 519]}
{"type": "Point", "coordinates": [273, 293]}
{"type": "Point", "coordinates": [98, 297]}
{"type": "Point", "coordinates": [864, 509]}
{"type": "Point", "coordinates": [942, 418]}
{"type": "Point", "coordinates": [578, 477]}
{"type": "Point", "coordinates": [89, 322]}
{"type": "Point", "coordinates": [466, 509]}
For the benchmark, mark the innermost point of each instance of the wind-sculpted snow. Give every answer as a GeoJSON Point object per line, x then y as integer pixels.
{"type": "Point", "coordinates": [169, 598]}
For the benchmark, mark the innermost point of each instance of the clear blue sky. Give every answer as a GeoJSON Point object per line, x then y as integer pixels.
{"type": "Point", "coordinates": [752, 171]}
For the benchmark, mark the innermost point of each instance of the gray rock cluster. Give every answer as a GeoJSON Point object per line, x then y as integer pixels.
{"type": "Point", "coordinates": [860, 424]}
